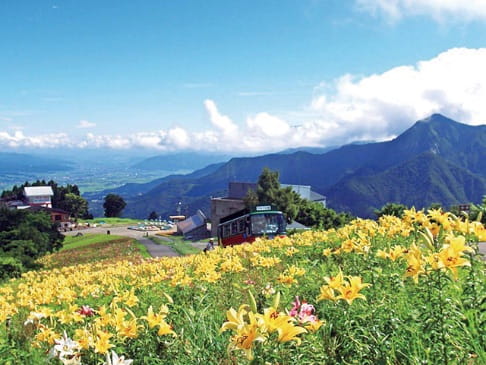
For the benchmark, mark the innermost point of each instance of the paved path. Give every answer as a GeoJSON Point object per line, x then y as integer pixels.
{"type": "Point", "coordinates": [154, 249]}
{"type": "Point", "coordinates": [482, 249]}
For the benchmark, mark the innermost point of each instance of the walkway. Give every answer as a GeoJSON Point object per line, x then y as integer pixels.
{"type": "Point", "coordinates": [156, 250]}
{"type": "Point", "coordinates": [482, 249]}
{"type": "Point", "coordinates": [153, 249]}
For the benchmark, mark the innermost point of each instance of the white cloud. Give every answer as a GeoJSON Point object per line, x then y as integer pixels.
{"type": "Point", "coordinates": [222, 122]}
{"type": "Point", "coordinates": [268, 125]}
{"type": "Point", "coordinates": [178, 137]}
{"type": "Point", "coordinates": [453, 83]}
{"type": "Point", "coordinates": [85, 124]}
{"type": "Point", "coordinates": [441, 10]}
{"type": "Point", "coordinates": [19, 139]}
{"type": "Point", "coordinates": [373, 107]}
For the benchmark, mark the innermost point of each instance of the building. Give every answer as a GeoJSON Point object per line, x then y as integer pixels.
{"type": "Point", "coordinates": [58, 216]}
{"type": "Point", "coordinates": [224, 206]}
{"type": "Point", "coordinates": [306, 192]}
{"type": "Point", "coordinates": [194, 228]}
{"type": "Point", "coordinates": [16, 204]}
{"type": "Point", "coordinates": [38, 196]}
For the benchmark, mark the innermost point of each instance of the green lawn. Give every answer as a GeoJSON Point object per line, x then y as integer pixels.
{"type": "Point", "coordinates": [143, 250]}
{"type": "Point", "coordinates": [178, 243]}
{"type": "Point", "coordinates": [71, 242]}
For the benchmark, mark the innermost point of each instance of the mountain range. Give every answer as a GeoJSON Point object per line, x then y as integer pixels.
{"type": "Point", "coordinates": [437, 160]}
{"type": "Point", "coordinates": [12, 163]}
{"type": "Point", "coordinates": [179, 161]}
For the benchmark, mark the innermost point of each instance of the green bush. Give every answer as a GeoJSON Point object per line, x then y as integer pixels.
{"type": "Point", "coordinates": [9, 267]}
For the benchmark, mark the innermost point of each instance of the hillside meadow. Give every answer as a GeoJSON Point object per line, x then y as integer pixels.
{"type": "Point", "coordinates": [92, 248]}
{"type": "Point", "coordinates": [396, 291]}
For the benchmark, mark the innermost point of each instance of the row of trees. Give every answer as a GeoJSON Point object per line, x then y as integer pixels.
{"type": "Point", "coordinates": [25, 236]}
{"type": "Point", "coordinates": [309, 213]}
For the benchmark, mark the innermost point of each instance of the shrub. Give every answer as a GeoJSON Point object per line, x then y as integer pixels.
{"type": "Point", "coordinates": [9, 267]}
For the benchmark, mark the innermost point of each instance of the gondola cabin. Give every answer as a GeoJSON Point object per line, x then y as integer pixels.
{"type": "Point", "coordinates": [245, 226]}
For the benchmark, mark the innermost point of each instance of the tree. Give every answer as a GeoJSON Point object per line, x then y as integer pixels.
{"type": "Point", "coordinates": [309, 213]}
{"type": "Point", "coordinates": [314, 214]}
{"type": "Point", "coordinates": [391, 209]}
{"type": "Point", "coordinates": [26, 235]}
{"type": "Point", "coordinates": [478, 212]}
{"type": "Point", "coordinates": [153, 215]}
{"type": "Point", "coordinates": [251, 198]}
{"type": "Point", "coordinates": [113, 205]}
{"type": "Point", "coordinates": [267, 187]}
{"type": "Point", "coordinates": [269, 192]}
{"type": "Point", "coordinates": [75, 205]}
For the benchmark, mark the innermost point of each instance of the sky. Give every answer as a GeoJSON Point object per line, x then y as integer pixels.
{"type": "Point", "coordinates": [234, 77]}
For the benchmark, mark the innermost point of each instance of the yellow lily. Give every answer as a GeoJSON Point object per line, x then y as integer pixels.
{"type": "Point", "coordinates": [335, 282]}
{"type": "Point", "coordinates": [288, 332]}
{"type": "Point", "coordinates": [327, 293]}
{"type": "Point", "coordinates": [350, 290]}
{"type": "Point", "coordinates": [271, 320]}
{"type": "Point", "coordinates": [102, 342]}
{"type": "Point", "coordinates": [235, 319]}
{"type": "Point", "coordinates": [165, 329]}
{"type": "Point", "coordinates": [414, 268]}
{"type": "Point", "coordinates": [451, 259]}
{"type": "Point", "coordinates": [246, 335]}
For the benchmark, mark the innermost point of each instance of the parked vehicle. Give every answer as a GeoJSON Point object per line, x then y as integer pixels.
{"type": "Point", "coordinates": [246, 226]}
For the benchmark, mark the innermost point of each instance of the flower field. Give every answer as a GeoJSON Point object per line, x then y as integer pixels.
{"type": "Point", "coordinates": [396, 291]}
{"type": "Point", "coordinates": [92, 248]}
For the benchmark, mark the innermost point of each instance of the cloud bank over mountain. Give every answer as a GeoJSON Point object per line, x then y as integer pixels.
{"type": "Point", "coordinates": [350, 108]}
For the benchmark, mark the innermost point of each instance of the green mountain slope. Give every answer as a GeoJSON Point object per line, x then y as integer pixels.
{"type": "Point", "coordinates": [438, 138]}
{"type": "Point", "coordinates": [426, 179]}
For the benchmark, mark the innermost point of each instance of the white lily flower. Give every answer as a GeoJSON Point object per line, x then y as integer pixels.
{"type": "Point", "coordinates": [115, 360]}
{"type": "Point", "coordinates": [67, 350]}
{"type": "Point", "coordinates": [34, 318]}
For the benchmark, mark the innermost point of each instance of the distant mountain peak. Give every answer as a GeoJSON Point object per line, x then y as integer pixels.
{"type": "Point", "coordinates": [438, 118]}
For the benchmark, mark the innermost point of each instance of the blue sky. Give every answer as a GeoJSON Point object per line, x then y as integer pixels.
{"type": "Point", "coordinates": [234, 76]}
